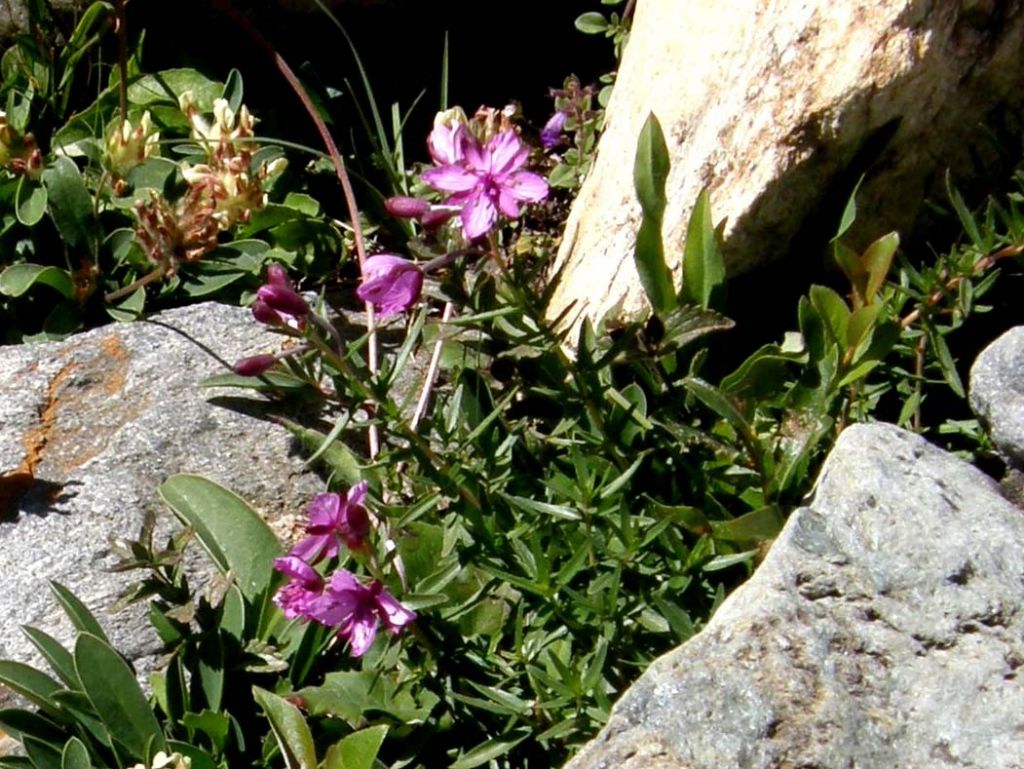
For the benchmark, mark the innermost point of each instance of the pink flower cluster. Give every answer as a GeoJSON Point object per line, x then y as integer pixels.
{"type": "Point", "coordinates": [482, 179]}
{"type": "Point", "coordinates": [342, 601]}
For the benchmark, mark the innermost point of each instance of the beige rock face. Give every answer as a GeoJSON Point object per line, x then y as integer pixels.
{"type": "Point", "coordinates": [769, 103]}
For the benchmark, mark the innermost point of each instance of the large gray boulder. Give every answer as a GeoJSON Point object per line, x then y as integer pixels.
{"type": "Point", "coordinates": [997, 393]}
{"type": "Point", "coordinates": [776, 107]}
{"type": "Point", "coordinates": [883, 631]}
{"type": "Point", "coordinates": [91, 426]}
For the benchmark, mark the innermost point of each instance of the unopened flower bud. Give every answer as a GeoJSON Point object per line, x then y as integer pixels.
{"type": "Point", "coordinates": [254, 366]}
{"type": "Point", "coordinates": [283, 299]}
{"type": "Point", "coordinates": [406, 207]}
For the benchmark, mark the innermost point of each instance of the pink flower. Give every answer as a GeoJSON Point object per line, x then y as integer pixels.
{"type": "Point", "coordinates": [297, 598]}
{"type": "Point", "coordinates": [486, 179]}
{"type": "Point", "coordinates": [277, 298]}
{"type": "Point", "coordinates": [391, 283]}
{"type": "Point", "coordinates": [333, 520]}
{"type": "Point", "coordinates": [444, 142]}
{"type": "Point", "coordinates": [355, 609]}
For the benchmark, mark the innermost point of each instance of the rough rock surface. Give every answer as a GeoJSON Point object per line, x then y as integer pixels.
{"type": "Point", "coordinates": [997, 392]}
{"type": "Point", "coordinates": [90, 427]}
{"type": "Point", "coordinates": [884, 629]}
{"type": "Point", "coordinates": [776, 106]}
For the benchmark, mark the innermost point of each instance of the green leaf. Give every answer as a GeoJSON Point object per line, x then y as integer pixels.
{"type": "Point", "coordinates": [79, 614]}
{"type": "Point", "coordinates": [650, 170]}
{"type": "Point", "coordinates": [349, 694]}
{"type": "Point", "coordinates": [356, 751]}
{"type": "Point", "coordinates": [19, 278]}
{"type": "Point", "coordinates": [703, 264]}
{"type": "Point", "coordinates": [289, 728]}
{"type": "Point", "coordinates": [755, 526]}
{"type": "Point", "coordinates": [591, 23]}
{"type": "Point", "coordinates": [655, 276]}
{"type": "Point", "coordinates": [116, 696]}
{"type": "Point", "coordinates": [200, 758]}
{"type": "Point", "coordinates": [720, 562]}
{"type": "Point", "coordinates": [29, 201]}
{"type": "Point", "coordinates": [945, 360]}
{"type": "Point", "coordinates": [233, 90]}
{"type": "Point", "coordinates": [877, 261]}
{"type": "Point", "coordinates": [160, 174]}
{"type": "Point", "coordinates": [234, 535]}
{"type": "Point", "coordinates": [129, 309]}
{"type": "Point", "coordinates": [420, 546]}
{"type": "Point", "coordinates": [20, 723]}
{"type": "Point", "coordinates": [541, 508]}
{"type": "Point", "coordinates": [168, 86]}
{"type": "Point", "coordinates": [721, 405]}
{"type": "Point", "coordinates": [336, 457]}
{"type": "Point", "coordinates": [491, 749]}
{"type": "Point", "coordinates": [59, 658]}
{"type": "Point", "coordinates": [967, 219]}
{"type": "Point", "coordinates": [75, 755]}
{"type": "Point", "coordinates": [44, 755]}
{"type": "Point", "coordinates": [862, 323]}
{"type": "Point", "coordinates": [71, 204]}
{"type": "Point", "coordinates": [305, 204]}
{"type": "Point", "coordinates": [833, 311]}
{"type": "Point", "coordinates": [849, 212]}
{"type": "Point", "coordinates": [651, 167]}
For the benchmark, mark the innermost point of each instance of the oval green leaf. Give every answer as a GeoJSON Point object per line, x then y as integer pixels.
{"type": "Point", "coordinates": [116, 696]}
{"type": "Point", "coordinates": [30, 201]}
{"type": "Point", "coordinates": [290, 730]}
{"type": "Point", "coordinates": [19, 278]}
{"type": "Point", "coordinates": [234, 535]}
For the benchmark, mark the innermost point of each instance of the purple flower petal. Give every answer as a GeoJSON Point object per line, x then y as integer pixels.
{"type": "Point", "coordinates": [508, 153]}
{"type": "Point", "coordinates": [361, 633]}
{"type": "Point", "coordinates": [392, 284]}
{"type": "Point", "coordinates": [526, 185]}
{"type": "Point", "coordinates": [478, 216]}
{"type": "Point", "coordinates": [394, 615]}
{"type": "Point", "coordinates": [551, 133]}
{"type": "Point", "coordinates": [450, 178]}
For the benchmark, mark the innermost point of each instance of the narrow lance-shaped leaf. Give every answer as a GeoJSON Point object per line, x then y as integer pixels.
{"type": "Point", "coordinates": [703, 264]}
{"type": "Point", "coordinates": [877, 260]}
{"type": "Point", "coordinates": [650, 170]}
{"type": "Point", "coordinates": [116, 696]}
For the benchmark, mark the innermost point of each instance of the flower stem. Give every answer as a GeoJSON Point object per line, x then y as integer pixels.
{"type": "Point", "coordinates": [435, 360]}
{"type": "Point", "coordinates": [342, 174]}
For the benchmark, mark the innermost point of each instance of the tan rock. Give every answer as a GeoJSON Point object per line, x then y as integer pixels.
{"type": "Point", "coordinates": [767, 103]}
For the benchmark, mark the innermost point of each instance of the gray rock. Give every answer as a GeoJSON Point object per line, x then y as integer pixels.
{"type": "Point", "coordinates": [90, 427]}
{"type": "Point", "coordinates": [883, 631]}
{"type": "Point", "coordinates": [997, 392]}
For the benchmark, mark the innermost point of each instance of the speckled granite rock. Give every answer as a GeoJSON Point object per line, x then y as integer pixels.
{"type": "Point", "coordinates": [997, 392]}
{"type": "Point", "coordinates": [883, 631]}
{"type": "Point", "coordinates": [91, 426]}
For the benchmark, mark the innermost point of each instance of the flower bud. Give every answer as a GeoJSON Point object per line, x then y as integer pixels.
{"type": "Point", "coordinates": [262, 312]}
{"type": "Point", "coordinates": [255, 365]}
{"type": "Point", "coordinates": [283, 299]}
{"type": "Point", "coordinates": [406, 208]}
